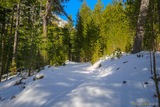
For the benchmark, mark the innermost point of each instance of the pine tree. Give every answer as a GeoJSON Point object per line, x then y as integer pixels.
{"type": "Point", "coordinates": [85, 14]}
{"type": "Point", "coordinates": [6, 10]}
{"type": "Point", "coordinates": [116, 28]}
{"type": "Point", "coordinates": [138, 41]}
{"type": "Point", "coordinates": [78, 38]}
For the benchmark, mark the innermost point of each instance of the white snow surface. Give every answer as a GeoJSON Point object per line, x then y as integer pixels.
{"type": "Point", "coordinates": [86, 85]}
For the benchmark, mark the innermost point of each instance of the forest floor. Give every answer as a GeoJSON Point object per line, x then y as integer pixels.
{"type": "Point", "coordinates": [124, 82]}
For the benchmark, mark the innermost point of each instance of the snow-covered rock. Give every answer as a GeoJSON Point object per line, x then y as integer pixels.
{"type": "Point", "coordinates": [60, 22]}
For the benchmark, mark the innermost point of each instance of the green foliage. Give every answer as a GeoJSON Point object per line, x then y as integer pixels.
{"type": "Point", "coordinates": [97, 52]}
{"type": "Point", "coordinates": [13, 68]}
{"type": "Point", "coordinates": [33, 49]}
{"type": "Point", "coordinates": [55, 50]}
{"type": "Point", "coordinates": [132, 8]}
{"type": "Point", "coordinates": [102, 31]}
{"type": "Point", "coordinates": [117, 29]}
{"type": "Point", "coordinates": [151, 27]}
{"type": "Point", "coordinates": [128, 48]}
{"type": "Point", "coordinates": [8, 3]}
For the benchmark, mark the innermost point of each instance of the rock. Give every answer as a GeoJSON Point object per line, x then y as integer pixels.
{"type": "Point", "coordinates": [124, 82]}
{"type": "Point", "coordinates": [38, 77]}
{"type": "Point", "coordinates": [13, 97]}
{"type": "Point", "coordinates": [18, 82]}
{"type": "Point", "coordinates": [125, 62]}
{"type": "Point", "coordinates": [146, 83]}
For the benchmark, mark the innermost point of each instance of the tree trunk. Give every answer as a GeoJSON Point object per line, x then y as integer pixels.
{"type": "Point", "coordinates": [9, 44]}
{"type": "Point", "coordinates": [14, 58]}
{"type": "Point", "coordinates": [45, 17]}
{"type": "Point", "coordinates": [151, 62]}
{"type": "Point", "coordinates": [155, 77]}
{"type": "Point", "coordinates": [159, 13]}
{"type": "Point", "coordinates": [138, 40]}
{"type": "Point", "coordinates": [31, 19]}
{"type": "Point", "coordinates": [2, 45]}
{"type": "Point", "coordinates": [45, 23]}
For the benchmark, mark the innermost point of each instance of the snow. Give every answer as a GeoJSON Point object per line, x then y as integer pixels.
{"type": "Point", "coordinates": [60, 22]}
{"type": "Point", "coordinates": [116, 83]}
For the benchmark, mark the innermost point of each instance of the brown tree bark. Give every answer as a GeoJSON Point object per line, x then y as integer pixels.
{"type": "Point", "coordinates": [15, 46]}
{"type": "Point", "coordinates": [9, 44]}
{"type": "Point", "coordinates": [138, 40]}
{"type": "Point", "coordinates": [159, 13]}
{"type": "Point", "coordinates": [2, 46]}
{"type": "Point", "coordinates": [45, 17]}
{"type": "Point", "coordinates": [16, 33]}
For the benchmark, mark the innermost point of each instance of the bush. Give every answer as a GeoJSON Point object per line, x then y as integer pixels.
{"type": "Point", "coordinates": [117, 53]}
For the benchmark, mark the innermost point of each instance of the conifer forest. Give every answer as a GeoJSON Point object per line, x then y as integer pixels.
{"type": "Point", "coordinates": [30, 35]}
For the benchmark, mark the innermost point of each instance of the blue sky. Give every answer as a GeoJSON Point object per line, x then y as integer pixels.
{"type": "Point", "coordinates": [72, 6]}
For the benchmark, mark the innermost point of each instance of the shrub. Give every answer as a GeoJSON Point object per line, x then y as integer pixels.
{"type": "Point", "coordinates": [117, 53]}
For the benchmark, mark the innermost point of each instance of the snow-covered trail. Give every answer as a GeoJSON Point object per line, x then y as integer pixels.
{"type": "Point", "coordinates": [106, 88]}
{"type": "Point", "coordinates": [117, 83]}
{"type": "Point", "coordinates": [57, 83]}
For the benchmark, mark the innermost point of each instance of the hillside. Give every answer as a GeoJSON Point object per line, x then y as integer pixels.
{"type": "Point", "coordinates": [124, 82]}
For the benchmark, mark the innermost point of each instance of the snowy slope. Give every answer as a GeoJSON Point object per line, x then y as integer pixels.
{"type": "Point", "coordinates": [117, 83]}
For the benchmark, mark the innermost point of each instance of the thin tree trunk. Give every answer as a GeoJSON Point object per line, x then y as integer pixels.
{"type": "Point", "coordinates": [155, 77]}
{"type": "Point", "coordinates": [31, 18]}
{"type": "Point", "coordinates": [151, 62]}
{"type": "Point", "coordinates": [14, 58]}
{"type": "Point", "coordinates": [151, 12]}
{"type": "Point", "coordinates": [159, 21]}
{"type": "Point", "coordinates": [16, 33]}
{"type": "Point", "coordinates": [138, 41]}
{"type": "Point", "coordinates": [9, 44]}
{"type": "Point", "coordinates": [2, 46]}
{"type": "Point", "coordinates": [2, 59]}
{"type": "Point", "coordinates": [159, 13]}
